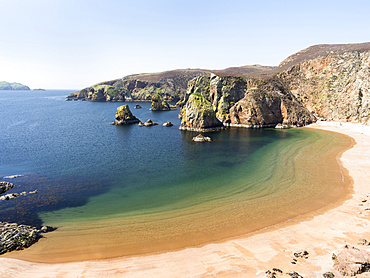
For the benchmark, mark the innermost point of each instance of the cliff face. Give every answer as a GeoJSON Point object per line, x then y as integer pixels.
{"type": "Point", "coordinates": [324, 81]}
{"type": "Point", "coordinates": [335, 86]}
{"type": "Point", "coordinates": [214, 101]}
{"type": "Point", "coordinates": [197, 112]}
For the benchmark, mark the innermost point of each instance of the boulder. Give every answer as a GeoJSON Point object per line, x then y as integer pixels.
{"type": "Point", "coordinates": [137, 106]}
{"type": "Point", "coordinates": [168, 124]}
{"type": "Point", "coordinates": [201, 138]}
{"type": "Point", "coordinates": [282, 126]}
{"type": "Point", "coordinates": [124, 116]}
{"type": "Point", "coordinates": [351, 261]}
{"type": "Point", "coordinates": [149, 122]}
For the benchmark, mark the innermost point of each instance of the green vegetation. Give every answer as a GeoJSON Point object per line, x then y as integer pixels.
{"type": "Point", "coordinates": [12, 86]}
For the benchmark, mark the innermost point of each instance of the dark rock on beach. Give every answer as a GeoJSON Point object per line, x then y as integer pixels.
{"type": "Point", "coordinates": [328, 275]}
{"type": "Point", "coordinates": [352, 261]}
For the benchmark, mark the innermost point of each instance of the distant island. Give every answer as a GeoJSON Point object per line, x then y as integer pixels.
{"type": "Point", "coordinates": [12, 86]}
{"type": "Point", "coordinates": [39, 89]}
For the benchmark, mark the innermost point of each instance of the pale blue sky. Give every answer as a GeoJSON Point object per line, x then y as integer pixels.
{"type": "Point", "coordinates": [71, 44]}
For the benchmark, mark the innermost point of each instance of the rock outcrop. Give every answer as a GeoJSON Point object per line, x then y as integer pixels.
{"type": "Point", "coordinates": [268, 104]}
{"type": "Point", "coordinates": [201, 139]}
{"type": "Point", "coordinates": [149, 122]}
{"type": "Point", "coordinates": [124, 116]}
{"type": "Point", "coordinates": [352, 261]}
{"type": "Point", "coordinates": [159, 104]}
{"type": "Point", "coordinates": [212, 102]}
{"type": "Point", "coordinates": [17, 237]}
{"type": "Point", "coordinates": [168, 124]}
{"type": "Point", "coordinates": [197, 112]}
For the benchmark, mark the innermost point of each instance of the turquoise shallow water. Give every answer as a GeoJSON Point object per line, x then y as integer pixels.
{"type": "Point", "coordinates": [152, 183]}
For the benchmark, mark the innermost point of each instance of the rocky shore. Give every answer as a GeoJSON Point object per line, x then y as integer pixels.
{"type": "Point", "coordinates": [15, 236]}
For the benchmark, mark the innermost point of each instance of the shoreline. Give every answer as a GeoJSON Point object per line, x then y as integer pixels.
{"type": "Point", "coordinates": [250, 255]}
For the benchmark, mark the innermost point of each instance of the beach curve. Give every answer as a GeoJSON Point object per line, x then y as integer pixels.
{"type": "Point", "coordinates": [250, 256]}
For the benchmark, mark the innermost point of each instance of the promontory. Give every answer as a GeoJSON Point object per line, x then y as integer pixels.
{"type": "Point", "coordinates": [12, 86]}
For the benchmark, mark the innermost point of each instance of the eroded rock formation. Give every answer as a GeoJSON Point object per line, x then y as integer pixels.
{"type": "Point", "coordinates": [213, 102]}
{"type": "Point", "coordinates": [124, 116]}
{"type": "Point", "coordinates": [160, 104]}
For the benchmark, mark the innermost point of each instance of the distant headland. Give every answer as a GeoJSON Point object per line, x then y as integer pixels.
{"type": "Point", "coordinates": [13, 86]}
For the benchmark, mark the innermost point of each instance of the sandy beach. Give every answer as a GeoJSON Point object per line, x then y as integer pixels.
{"type": "Point", "coordinates": [321, 234]}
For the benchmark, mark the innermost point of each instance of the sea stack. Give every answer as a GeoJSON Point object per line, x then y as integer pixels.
{"type": "Point", "coordinates": [159, 104]}
{"type": "Point", "coordinates": [124, 116]}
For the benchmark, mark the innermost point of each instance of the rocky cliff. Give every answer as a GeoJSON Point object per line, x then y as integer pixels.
{"type": "Point", "coordinates": [197, 112]}
{"type": "Point", "coordinates": [170, 85]}
{"type": "Point", "coordinates": [212, 101]}
{"type": "Point", "coordinates": [324, 81]}
{"type": "Point", "coordinates": [336, 86]}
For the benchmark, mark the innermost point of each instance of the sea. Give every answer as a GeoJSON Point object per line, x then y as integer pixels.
{"type": "Point", "coordinates": [131, 190]}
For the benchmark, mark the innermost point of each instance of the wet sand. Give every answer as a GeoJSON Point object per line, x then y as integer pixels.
{"type": "Point", "coordinates": [320, 233]}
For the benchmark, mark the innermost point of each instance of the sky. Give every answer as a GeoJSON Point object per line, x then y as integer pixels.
{"type": "Point", "coordinates": [72, 44]}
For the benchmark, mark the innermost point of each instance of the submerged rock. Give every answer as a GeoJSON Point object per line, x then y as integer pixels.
{"type": "Point", "coordinates": [124, 116]}
{"type": "Point", "coordinates": [12, 177]}
{"type": "Point", "coordinates": [149, 122]}
{"type": "Point", "coordinates": [201, 138]}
